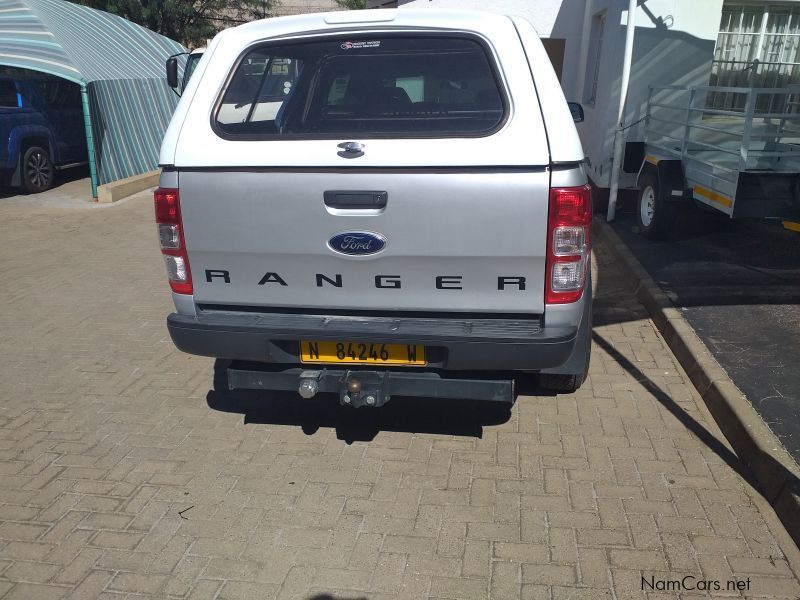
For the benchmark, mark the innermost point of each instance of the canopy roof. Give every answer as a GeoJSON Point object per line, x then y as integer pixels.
{"type": "Point", "coordinates": [79, 43]}
{"type": "Point", "coordinates": [119, 65]}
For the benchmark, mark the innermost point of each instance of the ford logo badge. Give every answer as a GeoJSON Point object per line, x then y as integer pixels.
{"type": "Point", "coordinates": [357, 243]}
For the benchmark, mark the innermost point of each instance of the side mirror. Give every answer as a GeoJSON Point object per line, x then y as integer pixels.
{"type": "Point", "coordinates": [172, 72]}
{"type": "Point", "coordinates": [577, 111]}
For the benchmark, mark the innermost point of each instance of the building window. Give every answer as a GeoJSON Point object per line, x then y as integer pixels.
{"type": "Point", "coordinates": [757, 46]}
{"type": "Point", "coordinates": [593, 59]}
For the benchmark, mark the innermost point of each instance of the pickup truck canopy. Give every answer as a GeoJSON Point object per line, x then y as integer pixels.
{"type": "Point", "coordinates": [536, 131]}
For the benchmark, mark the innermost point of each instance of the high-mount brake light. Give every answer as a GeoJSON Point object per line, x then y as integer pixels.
{"type": "Point", "coordinates": [170, 235]}
{"type": "Point", "coordinates": [568, 243]}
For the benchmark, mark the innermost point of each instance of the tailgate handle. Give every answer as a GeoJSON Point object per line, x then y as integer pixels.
{"type": "Point", "coordinates": [355, 199]}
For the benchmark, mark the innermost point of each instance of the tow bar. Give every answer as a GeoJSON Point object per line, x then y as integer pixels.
{"type": "Point", "coordinates": [357, 388]}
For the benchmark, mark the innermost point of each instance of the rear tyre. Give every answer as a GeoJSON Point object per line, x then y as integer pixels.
{"type": "Point", "coordinates": [567, 383]}
{"type": "Point", "coordinates": [37, 170]}
{"type": "Point", "coordinates": [654, 214]}
{"type": "Point", "coordinates": [561, 383]}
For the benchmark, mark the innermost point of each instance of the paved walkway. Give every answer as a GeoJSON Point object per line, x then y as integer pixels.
{"type": "Point", "coordinates": [124, 475]}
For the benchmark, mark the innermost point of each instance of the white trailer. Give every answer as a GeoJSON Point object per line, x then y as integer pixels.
{"type": "Point", "coordinates": [743, 163]}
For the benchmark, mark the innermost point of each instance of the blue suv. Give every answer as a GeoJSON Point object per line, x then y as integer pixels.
{"type": "Point", "coordinates": [41, 128]}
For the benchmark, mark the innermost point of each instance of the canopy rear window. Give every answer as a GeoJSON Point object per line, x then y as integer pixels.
{"type": "Point", "coordinates": [384, 86]}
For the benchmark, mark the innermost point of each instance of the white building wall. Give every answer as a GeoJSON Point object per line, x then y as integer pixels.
{"type": "Point", "coordinates": [542, 13]}
{"type": "Point", "coordinates": [551, 18]}
{"type": "Point", "coordinates": [674, 45]}
{"type": "Point", "coordinates": [298, 7]}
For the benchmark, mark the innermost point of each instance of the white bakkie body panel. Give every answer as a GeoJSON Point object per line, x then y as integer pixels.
{"type": "Point", "coordinates": [466, 215]}
{"type": "Point", "coordinates": [284, 231]}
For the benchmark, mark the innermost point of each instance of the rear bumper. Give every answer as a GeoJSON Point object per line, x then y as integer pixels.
{"type": "Point", "coordinates": [518, 344]}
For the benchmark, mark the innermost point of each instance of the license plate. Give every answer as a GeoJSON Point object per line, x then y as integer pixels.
{"type": "Point", "coordinates": [361, 353]}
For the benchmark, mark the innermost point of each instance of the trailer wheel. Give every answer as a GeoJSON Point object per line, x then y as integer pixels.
{"type": "Point", "coordinates": [654, 214]}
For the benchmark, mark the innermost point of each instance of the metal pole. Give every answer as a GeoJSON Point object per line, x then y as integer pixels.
{"type": "Point", "coordinates": [580, 80]}
{"type": "Point", "coordinates": [647, 112]}
{"type": "Point", "coordinates": [687, 130]}
{"type": "Point", "coordinates": [630, 28]}
{"type": "Point", "coordinates": [87, 123]}
{"type": "Point", "coordinates": [747, 133]}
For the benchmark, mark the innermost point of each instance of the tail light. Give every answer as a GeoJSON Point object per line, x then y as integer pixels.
{"type": "Point", "coordinates": [568, 243]}
{"type": "Point", "coordinates": [170, 235]}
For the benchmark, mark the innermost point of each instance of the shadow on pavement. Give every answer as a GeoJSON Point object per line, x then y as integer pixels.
{"type": "Point", "coordinates": [731, 459]}
{"type": "Point", "coordinates": [443, 416]}
{"type": "Point", "coordinates": [712, 260]}
{"type": "Point", "coordinates": [330, 597]}
{"type": "Point", "coordinates": [737, 283]}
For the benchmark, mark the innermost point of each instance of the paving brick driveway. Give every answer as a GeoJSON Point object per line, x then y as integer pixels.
{"type": "Point", "coordinates": [124, 475]}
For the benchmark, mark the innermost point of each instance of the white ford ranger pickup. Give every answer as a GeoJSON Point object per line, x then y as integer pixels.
{"type": "Point", "coordinates": [379, 203]}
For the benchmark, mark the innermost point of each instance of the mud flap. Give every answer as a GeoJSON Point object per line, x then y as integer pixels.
{"type": "Point", "coordinates": [16, 177]}
{"type": "Point", "coordinates": [671, 182]}
{"type": "Point", "coordinates": [578, 361]}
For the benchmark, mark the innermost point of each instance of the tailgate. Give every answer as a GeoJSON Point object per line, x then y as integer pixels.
{"type": "Point", "coordinates": [464, 240]}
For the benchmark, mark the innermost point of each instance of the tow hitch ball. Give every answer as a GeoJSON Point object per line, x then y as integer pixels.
{"type": "Point", "coordinates": [356, 388]}
{"type": "Point", "coordinates": [362, 388]}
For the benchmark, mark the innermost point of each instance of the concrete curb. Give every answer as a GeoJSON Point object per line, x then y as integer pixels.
{"type": "Point", "coordinates": [773, 468]}
{"type": "Point", "coordinates": [122, 188]}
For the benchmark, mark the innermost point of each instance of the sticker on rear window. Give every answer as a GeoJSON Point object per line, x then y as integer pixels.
{"type": "Point", "coordinates": [358, 45]}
